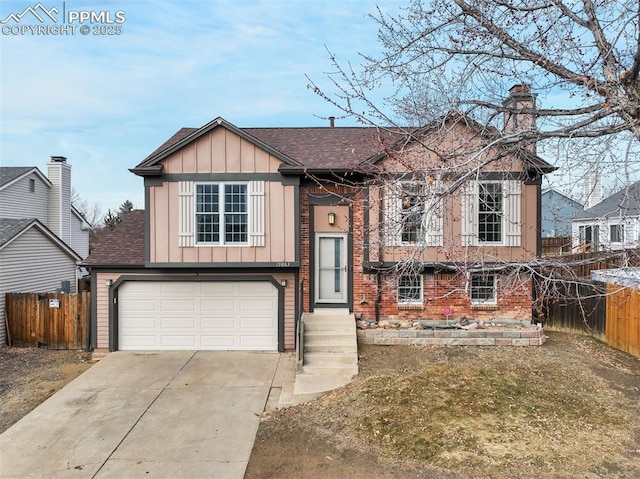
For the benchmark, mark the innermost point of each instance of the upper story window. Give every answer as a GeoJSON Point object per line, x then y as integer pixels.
{"type": "Point", "coordinates": [222, 213]}
{"type": "Point", "coordinates": [483, 288]}
{"type": "Point", "coordinates": [616, 233]}
{"type": "Point", "coordinates": [411, 215]}
{"type": "Point", "coordinates": [32, 185]}
{"type": "Point", "coordinates": [410, 289]}
{"type": "Point", "coordinates": [490, 212]}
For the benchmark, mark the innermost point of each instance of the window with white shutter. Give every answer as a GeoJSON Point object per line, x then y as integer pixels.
{"type": "Point", "coordinates": [224, 213]}
{"type": "Point", "coordinates": [491, 213]}
{"type": "Point", "coordinates": [413, 216]}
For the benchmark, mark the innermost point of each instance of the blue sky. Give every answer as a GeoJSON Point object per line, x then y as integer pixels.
{"type": "Point", "coordinates": [106, 101]}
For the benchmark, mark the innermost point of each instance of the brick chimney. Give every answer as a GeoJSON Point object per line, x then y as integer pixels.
{"type": "Point", "coordinates": [59, 210]}
{"type": "Point", "coordinates": [520, 98]}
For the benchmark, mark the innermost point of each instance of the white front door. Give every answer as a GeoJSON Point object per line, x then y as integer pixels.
{"type": "Point", "coordinates": [331, 268]}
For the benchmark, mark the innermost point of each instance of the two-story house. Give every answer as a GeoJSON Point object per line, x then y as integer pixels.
{"type": "Point", "coordinates": [246, 228]}
{"type": "Point", "coordinates": [42, 236]}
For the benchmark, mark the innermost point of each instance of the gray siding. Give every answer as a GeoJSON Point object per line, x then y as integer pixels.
{"type": "Point", "coordinates": [557, 213]}
{"type": "Point", "coordinates": [33, 264]}
{"type": "Point", "coordinates": [17, 201]}
{"type": "Point", "coordinates": [79, 238]}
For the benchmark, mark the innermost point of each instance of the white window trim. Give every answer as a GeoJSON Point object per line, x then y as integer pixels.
{"type": "Point", "coordinates": [256, 219]}
{"type": "Point", "coordinates": [410, 302]}
{"type": "Point", "coordinates": [621, 227]}
{"type": "Point", "coordinates": [511, 213]}
{"type": "Point", "coordinates": [431, 230]}
{"type": "Point", "coordinates": [502, 214]}
{"type": "Point", "coordinates": [492, 301]}
{"type": "Point", "coordinates": [221, 204]}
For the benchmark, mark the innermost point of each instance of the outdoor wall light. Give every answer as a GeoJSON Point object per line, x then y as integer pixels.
{"type": "Point", "coordinates": [283, 283]}
{"type": "Point", "coordinates": [332, 218]}
{"type": "Point", "coordinates": [107, 282]}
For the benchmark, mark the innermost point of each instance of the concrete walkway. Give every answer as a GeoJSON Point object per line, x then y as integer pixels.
{"type": "Point", "coordinates": [178, 414]}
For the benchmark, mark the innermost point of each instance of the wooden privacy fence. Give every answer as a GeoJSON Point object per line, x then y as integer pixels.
{"type": "Point", "coordinates": [623, 319]}
{"type": "Point", "coordinates": [48, 320]}
{"type": "Point", "coordinates": [577, 308]}
{"type": "Point", "coordinates": [608, 312]}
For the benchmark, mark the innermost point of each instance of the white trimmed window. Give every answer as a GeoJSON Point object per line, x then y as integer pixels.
{"type": "Point", "coordinates": [413, 215]}
{"type": "Point", "coordinates": [490, 213]}
{"type": "Point", "coordinates": [410, 289]}
{"type": "Point", "coordinates": [616, 233]}
{"type": "Point", "coordinates": [221, 213]}
{"type": "Point", "coordinates": [483, 288]}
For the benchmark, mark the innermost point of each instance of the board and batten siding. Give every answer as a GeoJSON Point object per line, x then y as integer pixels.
{"type": "Point", "coordinates": [17, 200]}
{"type": "Point", "coordinates": [33, 264]}
{"type": "Point", "coordinates": [221, 152]}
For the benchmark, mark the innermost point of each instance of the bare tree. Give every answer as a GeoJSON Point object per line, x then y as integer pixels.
{"type": "Point", "coordinates": [92, 212]}
{"type": "Point", "coordinates": [444, 58]}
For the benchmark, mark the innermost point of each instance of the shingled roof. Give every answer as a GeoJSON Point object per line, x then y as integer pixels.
{"type": "Point", "coordinates": [312, 148]}
{"type": "Point", "coordinates": [625, 202]}
{"type": "Point", "coordinates": [122, 246]}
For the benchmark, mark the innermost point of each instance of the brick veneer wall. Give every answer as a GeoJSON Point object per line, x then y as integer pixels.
{"type": "Point", "coordinates": [441, 289]}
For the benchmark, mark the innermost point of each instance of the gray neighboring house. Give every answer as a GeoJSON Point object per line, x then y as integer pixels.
{"type": "Point", "coordinates": [43, 237]}
{"type": "Point", "coordinates": [612, 224]}
{"type": "Point", "coordinates": [557, 212]}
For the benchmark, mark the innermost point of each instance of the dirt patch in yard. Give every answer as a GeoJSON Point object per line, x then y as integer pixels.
{"type": "Point", "coordinates": [570, 408]}
{"type": "Point", "coordinates": [28, 376]}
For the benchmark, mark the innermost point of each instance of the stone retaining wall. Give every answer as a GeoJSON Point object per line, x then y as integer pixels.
{"type": "Point", "coordinates": [453, 337]}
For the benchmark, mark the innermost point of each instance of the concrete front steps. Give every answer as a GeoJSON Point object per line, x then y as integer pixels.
{"type": "Point", "coordinates": [330, 358]}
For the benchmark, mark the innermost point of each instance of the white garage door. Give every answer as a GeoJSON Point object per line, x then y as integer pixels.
{"type": "Point", "coordinates": [197, 315]}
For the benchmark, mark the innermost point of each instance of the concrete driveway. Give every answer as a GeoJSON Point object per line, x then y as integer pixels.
{"type": "Point", "coordinates": [162, 414]}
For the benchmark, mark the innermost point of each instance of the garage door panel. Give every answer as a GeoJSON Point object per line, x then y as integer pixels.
{"type": "Point", "coordinates": [178, 342]}
{"type": "Point", "coordinates": [258, 304]}
{"type": "Point", "coordinates": [139, 306]}
{"type": "Point", "coordinates": [218, 305]}
{"type": "Point", "coordinates": [177, 288]}
{"type": "Point", "coordinates": [257, 342]}
{"type": "Point", "coordinates": [218, 342]}
{"type": "Point", "coordinates": [177, 323]}
{"type": "Point", "coordinates": [217, 323]}
{"type": "Point", "coordinates": [198, 315]}
{"type": "Point", "coordinates": [264, 324]}
{"type": "Point", "coordinates": [138, 340]}
{"type": "Point", "coordinates": [218, 288]}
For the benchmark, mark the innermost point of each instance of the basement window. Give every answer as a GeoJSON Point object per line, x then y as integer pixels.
{"type": "Point", "coordinates": [483, 289]}
{"type": "Point", "coordinates": [410, 289]}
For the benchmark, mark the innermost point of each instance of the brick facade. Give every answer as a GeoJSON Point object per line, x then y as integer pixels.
{"type": "Point", "coordinates": [441, 288]}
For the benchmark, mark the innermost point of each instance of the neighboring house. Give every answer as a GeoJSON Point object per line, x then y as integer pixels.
{"type": "Point", "coordinates": [42, 236]}
{"type": "Point", "coordinates": [612, 224]}
{"type": "Point", "coordinates": [557, 212]}
{"type": "Point", "coordinates": [244, 228]}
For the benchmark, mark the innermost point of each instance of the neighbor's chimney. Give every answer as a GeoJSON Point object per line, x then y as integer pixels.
{"type": "Point", "coordinates": [520, 98]}
{"type": "Point", "coordinates": [592, 190]}
{"type": "Point", "coordinates": [59, 211]}
{"type": "Point", "coordinates": [332, 121]}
